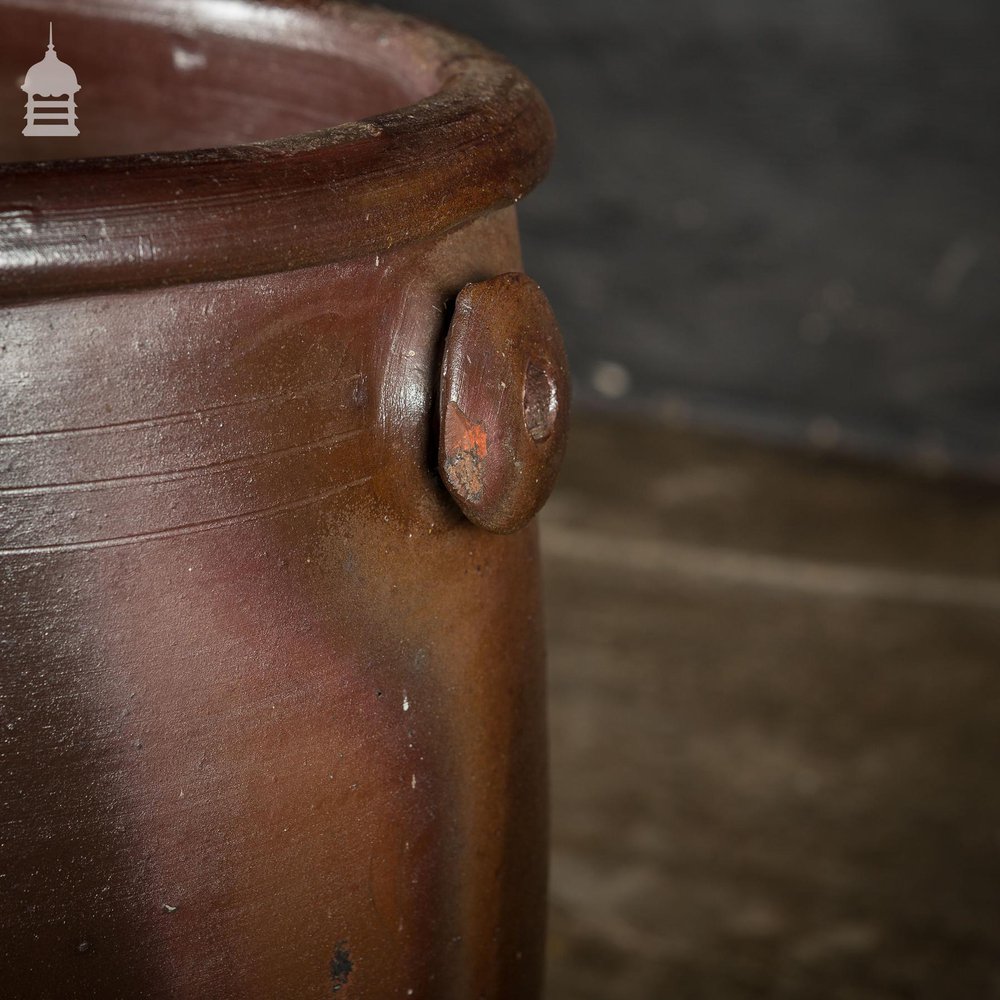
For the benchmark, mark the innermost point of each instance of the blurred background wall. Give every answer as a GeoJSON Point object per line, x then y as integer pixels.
{"type": "Point", "coordinates": [781, 218]}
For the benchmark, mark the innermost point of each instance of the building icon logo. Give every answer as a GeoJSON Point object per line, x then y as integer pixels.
{"type": "Point", "coordinates": [50, 78]}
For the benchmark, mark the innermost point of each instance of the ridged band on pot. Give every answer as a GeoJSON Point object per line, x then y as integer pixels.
{"type": "Point", "coordinates": [479, 138]}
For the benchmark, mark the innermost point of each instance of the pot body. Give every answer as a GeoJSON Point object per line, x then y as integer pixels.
{"type": "Point", "coordinates": [271, 710]}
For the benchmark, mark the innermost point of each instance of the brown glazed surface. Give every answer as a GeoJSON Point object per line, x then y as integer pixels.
{"type": "Point", "coordinates": [271, 709]}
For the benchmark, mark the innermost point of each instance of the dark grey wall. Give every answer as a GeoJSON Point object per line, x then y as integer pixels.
{"type": "Point", "coordinates": [778, 217]}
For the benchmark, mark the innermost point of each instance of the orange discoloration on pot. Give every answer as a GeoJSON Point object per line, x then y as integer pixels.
{"type": "Point", "coordinates": [465, 454]}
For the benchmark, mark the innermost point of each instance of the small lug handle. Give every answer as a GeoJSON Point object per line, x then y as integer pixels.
{"type": "Point", "coordinates": [504, 402]}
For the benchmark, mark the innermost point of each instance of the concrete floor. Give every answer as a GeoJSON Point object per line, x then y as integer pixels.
{"type": "Point", "coordinates": [775, 716]}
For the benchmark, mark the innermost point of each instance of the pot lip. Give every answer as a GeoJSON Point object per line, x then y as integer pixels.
{"type": "Point", "coordinates": [479, 142]}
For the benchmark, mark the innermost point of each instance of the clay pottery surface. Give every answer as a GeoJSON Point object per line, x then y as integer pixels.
{"type": "Point", "coordinates": [272, 714]}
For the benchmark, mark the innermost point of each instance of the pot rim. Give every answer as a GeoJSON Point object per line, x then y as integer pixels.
{"type": "Point", "coordinates": [480, 141]}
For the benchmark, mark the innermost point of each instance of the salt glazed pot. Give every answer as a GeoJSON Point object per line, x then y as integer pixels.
{"type": "Point", "coordinates": [277, 407]}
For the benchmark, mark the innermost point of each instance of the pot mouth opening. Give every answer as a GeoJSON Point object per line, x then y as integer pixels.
{"type": "Point", "coordinates": [158, 77]}
{"type": "Point", "coordinates": [227, 138]}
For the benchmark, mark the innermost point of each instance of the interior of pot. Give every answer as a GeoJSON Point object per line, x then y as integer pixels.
{"type": "Point", "coordinates": [221, 73]}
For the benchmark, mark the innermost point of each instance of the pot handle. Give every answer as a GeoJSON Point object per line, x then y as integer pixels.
{"type": "Point", "coordinates": [503, 402]}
